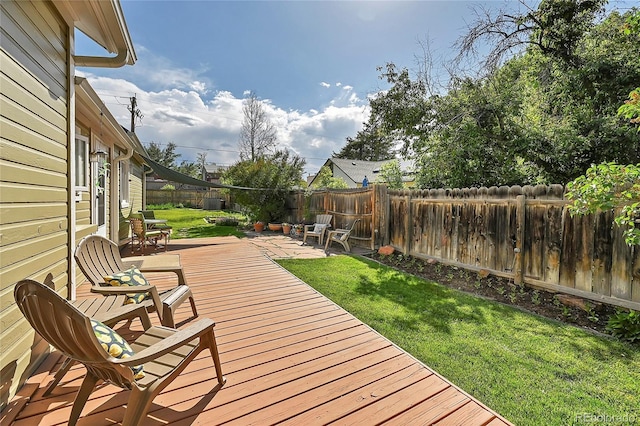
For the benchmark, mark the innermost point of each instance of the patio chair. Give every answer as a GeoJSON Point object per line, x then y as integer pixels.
{"type": "Point", "coordinates": [104, 310]}
{"type": "Point", "coordinates": [141, 234]}
{"type": "Point", "coordinates": [318, 229]}
{"type": "Point", "coordinates": [150, 215]}
{"type": "Point", "coordinates": [76, 336]}
{"type": "Point", "coordinates": [341, 236]}
{"type": "Point", "coordinates": [99, 257]}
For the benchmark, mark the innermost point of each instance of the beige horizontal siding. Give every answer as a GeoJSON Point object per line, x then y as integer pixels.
{"type": "Point", "coordinates": [34, 182]}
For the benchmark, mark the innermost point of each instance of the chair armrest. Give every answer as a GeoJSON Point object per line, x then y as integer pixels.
{"type": "Point", "coordinates": [307, 227]}
{"type": "Point", "coordinates": [123, 289]}
{"type": "Point", "coordinates": [169, 344]}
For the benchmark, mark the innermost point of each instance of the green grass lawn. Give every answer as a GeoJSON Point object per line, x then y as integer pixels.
{"type": "Point", "coordinates": [190, 223]}
{"type": "Point", "coordinates": [531, 370]}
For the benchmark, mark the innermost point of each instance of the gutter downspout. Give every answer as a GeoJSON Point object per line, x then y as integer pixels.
{"type": "Point", "coordinates": [144, 186]}
{"type": "Point", "coordinates": [117, 61]}
{"type": "Point", "coordinates": [115, 201]}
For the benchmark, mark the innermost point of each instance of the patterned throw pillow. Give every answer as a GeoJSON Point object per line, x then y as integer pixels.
{"type": "Point", "coordinates": [115, 345]}
{"type": "Point", "coordinates": [130, 277]}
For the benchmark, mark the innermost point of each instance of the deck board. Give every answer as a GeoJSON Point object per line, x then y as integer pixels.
{"type": "Point", "coordinates": [290, 355]}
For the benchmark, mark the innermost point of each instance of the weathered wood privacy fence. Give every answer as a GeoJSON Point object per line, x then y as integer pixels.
{"type": "Point", "coordinates": [523, 233]}
{"type": "Point", "coordinates": [204, 199]}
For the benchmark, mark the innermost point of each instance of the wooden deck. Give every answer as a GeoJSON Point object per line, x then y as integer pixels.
{"type": "Point", "coordinates": [290, 356]}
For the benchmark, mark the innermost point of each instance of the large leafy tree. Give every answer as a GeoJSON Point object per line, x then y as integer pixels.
{"type": "Point", "coordinates": [542, 117]}
{"type": "Point", "coordinates": [397, 114]}
{"type": "Point", "coordinates": [325, 179]}
{"type": "Point", "coordinates": [611, 186]}
{"type": "Point", "coordinates": [268, 181]}
{"type": "Point", "coordinates": [555, 28]}
{"type": "Point", "coordinates": [391, 175]}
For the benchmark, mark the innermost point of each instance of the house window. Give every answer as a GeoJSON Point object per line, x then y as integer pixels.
{"type": "Point", "coordinates": [124, 183]}
{"type": "Point", "coordinates": [82, 163]}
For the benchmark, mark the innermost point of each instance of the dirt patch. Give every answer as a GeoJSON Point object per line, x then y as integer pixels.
{"type": "Point", "coordinates": [568, 309]}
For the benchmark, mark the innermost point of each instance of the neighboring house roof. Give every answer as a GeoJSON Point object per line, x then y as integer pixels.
{"type": "Point", "coordinates": [356, 170]}
{"type": "Point", "coordinates": [214, 168]}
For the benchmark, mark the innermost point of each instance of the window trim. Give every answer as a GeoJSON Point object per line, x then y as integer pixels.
{"type": "Point", "coordinates": [81, 163]}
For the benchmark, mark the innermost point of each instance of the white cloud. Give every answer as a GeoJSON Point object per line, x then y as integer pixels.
{"type": "Point", "coordinates": [323, 84]}
{"type": "Point", "coordinates": [197, 123]}
{"type": "Point", "coordinates": [347, 87]}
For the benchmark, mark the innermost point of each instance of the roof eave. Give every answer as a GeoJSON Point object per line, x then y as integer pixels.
{"type": "Point", "coordinates": [102, 21]}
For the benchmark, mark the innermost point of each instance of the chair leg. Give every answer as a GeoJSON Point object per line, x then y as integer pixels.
{"type": "Point", "coordinates": [193, 306]}
{"type": "Point", "coordinates": [64, 369]}
{"type": "Point", "coordinates": [213, 348]}
{"type": "Point", "coordinates": [137, 406]}
{"type": "Point", "coordinates": [85, 390]}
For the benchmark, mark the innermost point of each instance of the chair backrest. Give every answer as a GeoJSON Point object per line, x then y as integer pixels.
{"type": "Point", "coordinates": [148, 214]}
{"type": "Point", "coordinates": [98, 256]}
{"type": "Point", "coordinates": [324, 219]}
{"type": "Point", "coordinates": [138, 227]}
{"type": "Point", "coordinates": [68, 330]}
{"type": "Point", "coordinates": [349, 230]}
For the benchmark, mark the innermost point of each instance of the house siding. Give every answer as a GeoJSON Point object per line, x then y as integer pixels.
{"type": "Point", "coordinates": [136, 188]}
{"type": "Point", "coordinates": [34, 178]}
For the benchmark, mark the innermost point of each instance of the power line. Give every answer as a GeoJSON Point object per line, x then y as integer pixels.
{"type": "Point", "coordinates": [216, 114]}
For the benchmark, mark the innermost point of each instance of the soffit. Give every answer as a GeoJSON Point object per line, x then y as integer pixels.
{"type": "Point", "coordinates": [102, 21]}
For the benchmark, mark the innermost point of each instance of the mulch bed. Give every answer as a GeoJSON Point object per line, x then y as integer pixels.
{"type": "Point", "coordinates": [573, 310]}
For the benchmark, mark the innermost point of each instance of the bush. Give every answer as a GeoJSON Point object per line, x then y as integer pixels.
{"type": "Point", "coordinates": [226, 221]}
{"type": "Point", "coordinates": [625, 325]}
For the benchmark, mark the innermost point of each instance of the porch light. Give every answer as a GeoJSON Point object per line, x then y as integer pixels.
{"type": "Point", "coordinates": [98, 156]}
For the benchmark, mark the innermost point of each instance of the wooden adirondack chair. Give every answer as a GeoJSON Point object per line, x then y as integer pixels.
{"type": "Point", "coordinates": [317, 231]}
{"type": "Point", "coordinates": [141, 234]}
{"type": "Point", "coordinates": [71, 332]}
{"type": "Point", "coordinates": [341, 236]}
{"type": "Point", "coordinates": [98, 257]}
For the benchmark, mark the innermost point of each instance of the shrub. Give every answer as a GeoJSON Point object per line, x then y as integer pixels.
{"type": "Point", "coordinates": [226, 221]}
{"type": "Point", "coordinates": [625, 325]}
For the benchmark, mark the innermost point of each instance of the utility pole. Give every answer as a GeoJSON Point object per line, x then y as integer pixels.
{"type": "Point", "coordinates": [135, 112]}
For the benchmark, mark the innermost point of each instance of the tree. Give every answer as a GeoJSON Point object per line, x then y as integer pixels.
{"type": "Point", "coordinates": [271, 177]}
{"type": "Point", "coordinates": [369, 144]}
{"type": "Point", "coordinates": [325, 180]}
{"type": "Point", "coordinates": [189, 169]}
{"type": "Point", "coordinates": [164, 156]}
{"type": "Point", "coordinates": [556, 28]}
{"type": "Point", "coordinates": [391, 174]}
{"type": "Point", "coordinates": [609, 186]}
{"type": "Point", "coordinates": [258, 135]}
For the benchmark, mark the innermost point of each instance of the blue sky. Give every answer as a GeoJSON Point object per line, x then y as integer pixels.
{"type": "Point", "coordinates": [313, 64]}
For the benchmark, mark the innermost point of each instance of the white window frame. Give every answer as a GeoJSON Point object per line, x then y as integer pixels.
{"type": "Point", "coordinates": [81, 163]}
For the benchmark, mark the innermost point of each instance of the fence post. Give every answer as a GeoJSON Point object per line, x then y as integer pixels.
{"type": "Point", "coordinates": [518, 260]}
{"type": "Point", "coordinates": [408, 225]}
